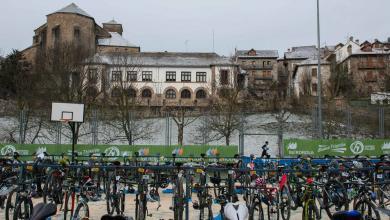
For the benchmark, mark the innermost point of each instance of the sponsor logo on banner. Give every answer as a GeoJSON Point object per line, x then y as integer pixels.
{"type": "Point", "coordinates": [357, 147]}
{"type": "Point", "coordinates": [292, 146]}
{"type": "Point", "coordinates": [112, 151]}
{"type": "Point", "coordinates": [212, 152]}
{"type": "Point", "coordinates": [8, 150]}
{"type": "Point", "coordinates": [386, 146]}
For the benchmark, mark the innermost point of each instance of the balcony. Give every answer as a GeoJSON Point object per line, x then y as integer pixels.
{"type": "Point", "coordinates": [371, 65]}
{"type": "Point", "coordinates": [256, 67]}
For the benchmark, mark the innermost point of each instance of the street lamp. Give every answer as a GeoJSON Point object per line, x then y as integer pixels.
{"type": "Point", "coordinates": [319, 72]}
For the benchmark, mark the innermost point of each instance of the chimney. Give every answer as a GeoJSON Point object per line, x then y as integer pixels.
{"type": "Point", "coordinates": [289, 50]}
{"type": "Point", "coordinates": [350, 38]}
{"type": "Point", "coordinates": [357, 41]}
{"type": "Point", "coordinates": [388, 40]}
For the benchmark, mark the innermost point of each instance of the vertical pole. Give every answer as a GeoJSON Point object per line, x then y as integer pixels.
{"type": "Point", "coordinates": [73, 128]}
{"type": "Point", "coordinates": [241, 137]}
{"type": "Point", "coordinates": [381, 122]}
{"type": "Point", "coordinates": [320, 135]}
{"type": "Point", "coordinates": [349, 122]}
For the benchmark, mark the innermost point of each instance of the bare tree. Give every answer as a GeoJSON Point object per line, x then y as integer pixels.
{"type": "Point", "coordinates": [73, 78]}
{"type": "Point", "coordinates": [129, 120]}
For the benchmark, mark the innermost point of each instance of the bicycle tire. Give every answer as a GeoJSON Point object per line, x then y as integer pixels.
{"type": "Point", "coordinates": [77, 216]}
{"type": "Point", "coordinates": [68, 212]}
{"type": "Point", "coordinates": [10, 205]}
{"type": "Point", "coordinates": [340, 197]}
{"type": "Point", "coordinates": [122, 203]}
{"type": "Point", "coordinates": [310, 211]}
{"type": "Point", "coordinates": [273, 208]}
{"type": "Point", "coordinates": [367, 209]}
{"type": "Point", "coordinates": [112, 203]}
{"type": "Point", "coordinates": [256, 211]}
{"type": "Point", "coordinates": [25, 204]}
{"type": "Point", "coordinates": [285, 203]}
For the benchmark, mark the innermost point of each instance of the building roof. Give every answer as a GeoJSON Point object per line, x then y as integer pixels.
{"type": "Point", "coordinates": [111, 22]}
{"type": "Point", "coordinates": [313, 61]}
{"type": "Point", "coordinates": [259, 53]}
{"type": "Point", "coordinates": [115, 40]}
{"type": "Point", "coordinates": [165, 59]}
{"type": "Point", "coordinates": [303, 52]}
{"type": "Point", "coordinates": [74, 9]}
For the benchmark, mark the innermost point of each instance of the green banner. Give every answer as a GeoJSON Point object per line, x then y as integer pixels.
{"type": "Point", "coordinates": [336, 147]}
{"type": "Point", "coordinates": [120, 151]}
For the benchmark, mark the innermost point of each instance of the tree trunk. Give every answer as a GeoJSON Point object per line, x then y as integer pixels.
{"type": "Point", "coordinates": [227, 140]}
{"type": "Point", "coordinates": [180, 134]}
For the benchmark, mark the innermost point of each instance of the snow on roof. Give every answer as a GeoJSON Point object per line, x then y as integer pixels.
{"type": "Point", "coordinates": [312, 61]}
{"type": "Point", "coordinates": [167, 59]}
{"type": "Point", "coordinates": [303, 52]}
{"type": "Point", "coordinates": [115, 40]}
{"type": "Point", "coordinates": [259, 53]}
{"type": "Point", "coordinates": [73, 8]}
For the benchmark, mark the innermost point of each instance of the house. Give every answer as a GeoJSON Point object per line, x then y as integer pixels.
{"type": "Point", "coordinates": [161, 79]}
{"type": "Point", "coordinates": [305, 81]}
{"type": "Point", "coordinates": [260, 67]}
{"type": "Point", "coordinates": [368, 65]}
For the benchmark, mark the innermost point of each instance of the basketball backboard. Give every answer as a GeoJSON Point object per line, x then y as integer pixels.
{"type": "Point", "coordinates": [69, 112]}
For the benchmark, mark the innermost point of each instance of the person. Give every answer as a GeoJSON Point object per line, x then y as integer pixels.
{"type": "Point", "coordinates": [265, 150]}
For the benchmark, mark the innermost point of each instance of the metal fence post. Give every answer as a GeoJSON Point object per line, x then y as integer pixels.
{"type": "Point", "coordinates": [381, 122]}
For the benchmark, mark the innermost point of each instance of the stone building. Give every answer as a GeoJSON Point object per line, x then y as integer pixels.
{"type": "Point", "coordinates": [287, 66]}
{"type": "Point", "coordinates": [368, 65]}
{"type": "Point", "coordinates": [72, 25]}
{"type": "Point", "coordinates": [260, 67]}
{"type": "Point", "coordinates": [156, 78]}
{"type": "Point", "coordinates": [305, 81]}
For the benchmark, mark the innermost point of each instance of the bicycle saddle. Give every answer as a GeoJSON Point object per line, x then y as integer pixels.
{"type": "Point", "coordinates": [42, 211]}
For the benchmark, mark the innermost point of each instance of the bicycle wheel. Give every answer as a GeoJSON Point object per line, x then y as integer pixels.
{"type": "Point", "coordinates": [141, 211]}
{"type": "Point", "coordinates": [273, 207]}
{"type": "Point", "coordinates": [368, 210]}
{"type": "Point", "coordinates": [112, 197]}
{"type": "Point", "coordinates": [335, 198]}
{"type": "Point", "coordinates": [53, 188]}
{"type": "Point", "coordinates": [10, 205]}
{"type": "Point", "coordinates": [256, 211]}
{"type": "Point", "coordinates": [285, 203]}
{"type": "Point", "coordinates": [68, 211]}
{"type": "Point", "coordinates": [310, 211]}
{"type": "Point", "coordinates": [23, 209]}
{"type": "Point", "coordinates": [122, 202]}
{"type": "Point", "coordinates": [384, 196]}
{"type": "Point", "coordinates": [81, 212]}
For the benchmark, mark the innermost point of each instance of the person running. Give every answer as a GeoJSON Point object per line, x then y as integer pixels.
{"type": "Point", "coordinates": [265, 150]}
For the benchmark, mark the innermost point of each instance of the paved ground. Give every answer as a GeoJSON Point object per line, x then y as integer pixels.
{"type": "Point", "coordinates": [97, 209]}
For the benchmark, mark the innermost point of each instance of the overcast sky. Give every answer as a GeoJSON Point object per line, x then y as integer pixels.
{"type": "Point", "coordinates": [159, 25]}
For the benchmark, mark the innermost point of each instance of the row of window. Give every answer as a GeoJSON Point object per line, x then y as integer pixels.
{"type": "Point", "coordinates": [132, 76]}
{"type": "Point", "coordinates": [169, 94]}
{"type": "Point", "coordinates": [265, 63]}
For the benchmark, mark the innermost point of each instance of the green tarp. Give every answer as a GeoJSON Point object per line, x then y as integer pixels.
{"type": "Point", "coordinates": [336, 147]}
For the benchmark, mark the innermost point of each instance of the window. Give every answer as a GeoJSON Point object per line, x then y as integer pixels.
{"type": "Point", "coordinates": [170, 94]}
{"type": "Point", "coordinates": [55, 32]}
{"type": "Point", "coordinates": [92, 92]}
{"type": "Point", "coordinates": [146, 76]}
{"type": "Point", "coordinates": [131, 93]}
{"type": "Point", "coordinates": [116, 76]}
{"type": "Point", "coordinates": [115, 92]}
{"type": "Point", "coordinates": [76, 34]}
{"type": "Point", "coordinates": [186, 76]}
{"type": "Point", "coordinates": [132, 76]}
{"type": "Point", "coordinates": [92, 75]}
{"type": "Point", "coordinates": [269, 63]}
{"type": "Point", "coordinates": [264, 63]}
{"type": "Point", "coordinates": [146, 93]}
{"type": "Point", "coordinates": [314, 72]}
{"type": "Point", "coordinates": [224, 77]}
{"type": "Point", "coordinates": [201, 94]}
{"type": "Point", "coordinates": [171, 76]}
{"type": "Point", "coordinates": [201, 77]}
{"type": "Point", "coordinates": [314, 88]}
{"type": "Point", "coordinates": [185, 94]}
